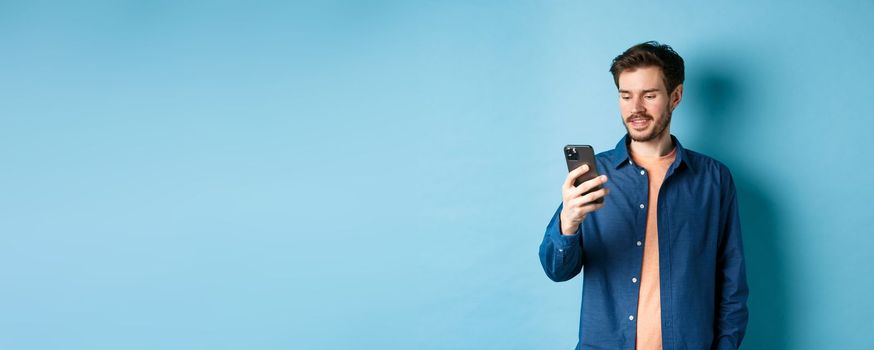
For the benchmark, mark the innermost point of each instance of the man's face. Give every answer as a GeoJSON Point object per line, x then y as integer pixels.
{"type": "Point", "coordinates": [645, 103]}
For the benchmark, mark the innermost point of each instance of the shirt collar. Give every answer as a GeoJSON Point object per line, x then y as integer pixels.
{"type": "Point", "coordinates": [620, 154]}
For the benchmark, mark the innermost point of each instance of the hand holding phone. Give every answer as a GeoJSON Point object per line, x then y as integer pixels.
{"type": "Point", "coordinates": [583, 191]}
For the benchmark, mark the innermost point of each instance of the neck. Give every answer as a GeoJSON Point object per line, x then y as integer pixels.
{"type": "Point", "coordinates": [657, 147]}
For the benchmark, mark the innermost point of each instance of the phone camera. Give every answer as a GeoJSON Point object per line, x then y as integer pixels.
{"type": "Point", "coordinates": [571, 153]}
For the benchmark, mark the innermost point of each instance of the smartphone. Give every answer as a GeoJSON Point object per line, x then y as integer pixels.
{"type": "Point", "coordinates": [576, 156]}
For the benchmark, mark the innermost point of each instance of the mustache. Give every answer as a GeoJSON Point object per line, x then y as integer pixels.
{"type": "Point", "coordinates": [638, 116]}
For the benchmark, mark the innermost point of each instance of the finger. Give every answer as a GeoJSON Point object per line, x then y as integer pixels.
{"type": "Point", "coordinates": [595, 195]}
{"type": "Point", "coordinates": [574, 174]}
{"type": "Point", "coordinates": [590, 184]}
{"type": "Point", "coordinates": [580, 201]}
{"type": "Point", "coordinates": [577, 203]}
{"type": "Point", "coordinates": [589, 208]}
{"type": "Point", "coordinates": [586, 209]}
{"type": "Point", "coordinates": [588, 198]}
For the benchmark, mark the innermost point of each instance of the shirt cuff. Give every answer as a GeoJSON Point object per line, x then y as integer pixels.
{"type": "Point", "coordinates": [565, 242]}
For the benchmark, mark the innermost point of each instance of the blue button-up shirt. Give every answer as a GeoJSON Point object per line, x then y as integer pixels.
{"type": "Point", "coordinates": [701, 261]}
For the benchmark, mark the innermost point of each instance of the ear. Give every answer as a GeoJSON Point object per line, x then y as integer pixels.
{"type": "Point", "coordinates": [676, 96]}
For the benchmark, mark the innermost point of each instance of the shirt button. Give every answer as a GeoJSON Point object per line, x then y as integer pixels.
{"type": "Point", "coordinates": [639, 243]}
{"type": "Point", "coordinates": [634, 280]}
{"type": "Point", "coordinates": [561, 250]}
{"type": "Point", "coordinates": [631, 318]}
{"type": "Point", "coordinates": [629, 161]}
{"type": "Point", "coordinates": [642, 172]}
{"type": "Point", "coordinates": [641, 205]}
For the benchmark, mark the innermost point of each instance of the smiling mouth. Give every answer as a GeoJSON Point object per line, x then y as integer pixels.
{"type": "Point", "coordinates": [638, 123]}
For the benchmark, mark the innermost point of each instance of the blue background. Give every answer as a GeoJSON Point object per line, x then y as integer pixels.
{"type": "Point", "coordinates": [378, 175]}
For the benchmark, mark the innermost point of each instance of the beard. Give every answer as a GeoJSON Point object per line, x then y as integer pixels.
{"type": "Point", "coordinates": [658, 129]}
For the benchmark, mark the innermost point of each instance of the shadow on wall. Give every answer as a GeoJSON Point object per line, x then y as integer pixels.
{"type": "Point", "coordinates": [726, 105]}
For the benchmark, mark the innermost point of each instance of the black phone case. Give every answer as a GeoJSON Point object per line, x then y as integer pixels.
{"type": "Point", "coordinates": [576, 156]}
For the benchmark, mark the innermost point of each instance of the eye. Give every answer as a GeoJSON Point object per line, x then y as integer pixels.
{"type": "Point", "coordinates": [650, 97]}
{"type": "Point", "coordinates": [625, 97]}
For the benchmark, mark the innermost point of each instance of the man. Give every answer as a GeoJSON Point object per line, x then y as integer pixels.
{"type": "Point", "coordinates": [663, 255]}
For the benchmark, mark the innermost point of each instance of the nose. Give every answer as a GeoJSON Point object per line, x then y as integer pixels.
{"type": "Point", "coordinates": [637, 105]}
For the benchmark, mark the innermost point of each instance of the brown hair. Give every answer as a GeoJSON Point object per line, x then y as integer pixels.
{"type": "Point", "coordinates": [650, 54]}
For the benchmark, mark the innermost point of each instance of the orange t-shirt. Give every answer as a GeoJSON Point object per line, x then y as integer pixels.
{"type": "Point", "coordinates": [649, 304]}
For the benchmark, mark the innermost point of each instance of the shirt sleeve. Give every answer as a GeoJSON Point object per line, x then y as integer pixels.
{"type": "Point", "coordinates": [732, 290]}
{"type": "Point", "coordinates": [561, 255]}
